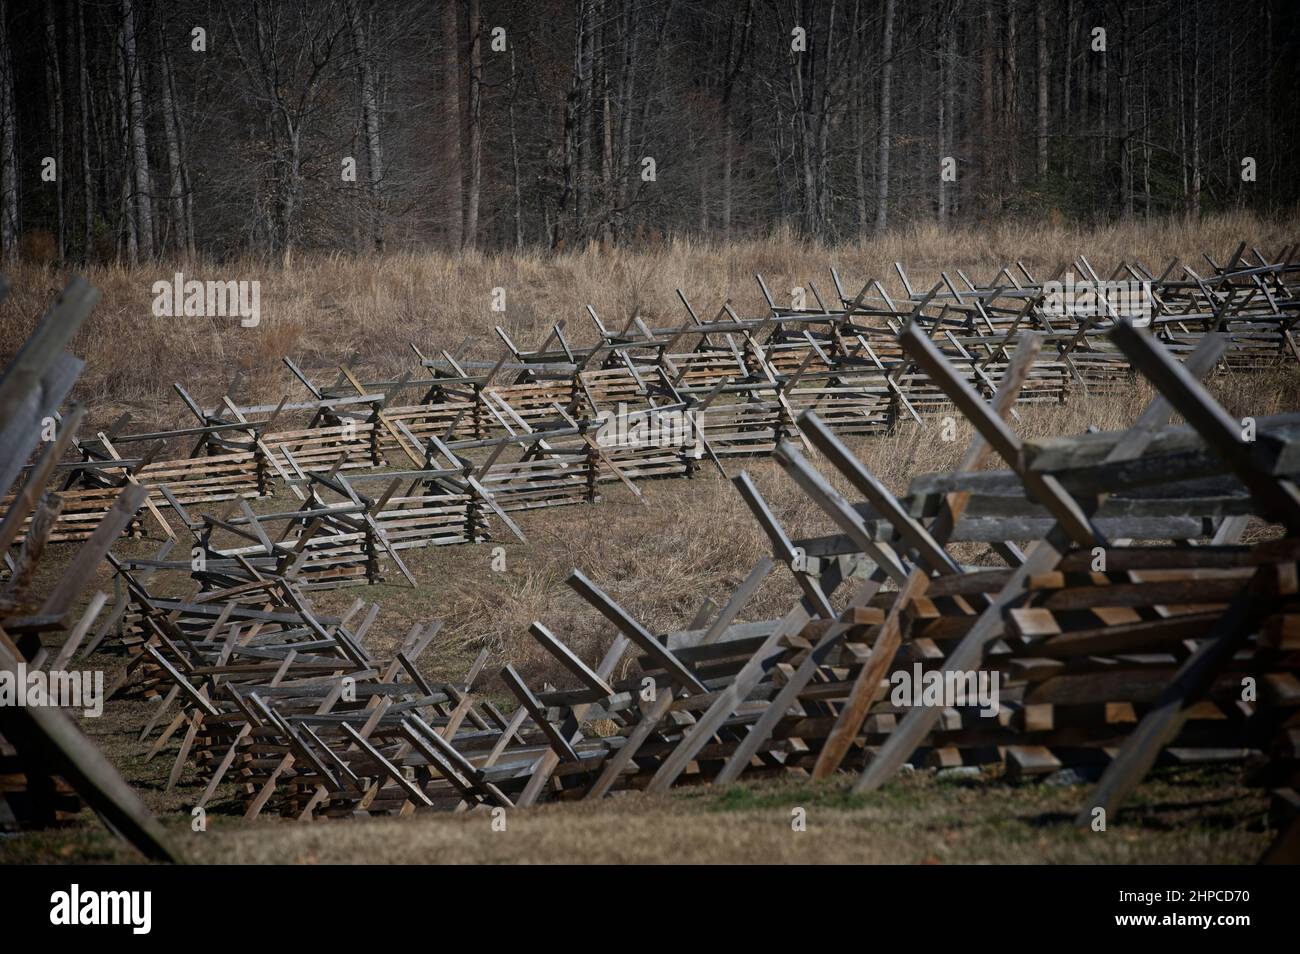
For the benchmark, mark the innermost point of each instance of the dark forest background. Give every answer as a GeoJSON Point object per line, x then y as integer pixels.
{"type": "Point", "coordinates": [502, 124]}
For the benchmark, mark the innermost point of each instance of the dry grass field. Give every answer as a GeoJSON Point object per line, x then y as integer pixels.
{"type": "Point", "coordinates": [652, 557]}
{"type": "Point", "coordinates": [326, 309]}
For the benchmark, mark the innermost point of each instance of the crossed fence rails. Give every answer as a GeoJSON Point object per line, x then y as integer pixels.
{"type": "Point", "coordinates": [486, 439]}
{"type": "Point", "coordinates": [1178, 646]}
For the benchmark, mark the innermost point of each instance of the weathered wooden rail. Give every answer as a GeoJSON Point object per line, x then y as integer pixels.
{"type": "Point", "coordinates": [1124, 618]}
{"type": "Point", "coordinates": [533, 429]}
{"type": "Point", "coordinates": [48, 768]}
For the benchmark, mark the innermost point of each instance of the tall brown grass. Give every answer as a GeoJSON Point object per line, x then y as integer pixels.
{"type": "Point", "coordinates": [325, 309]}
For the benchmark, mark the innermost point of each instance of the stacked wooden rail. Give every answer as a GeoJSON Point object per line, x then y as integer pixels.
{"type": "Point", "coordinates": [1111, 653]}
{"type": "Point", "coordinates": [48, 768]}
{"type": "Point", "coordinates": [1124, 618]}
{"type": "Point", "coordinates": [1178, 645]}
{"type": "Point", "coordinates": [291, 707]}
{"type": "Point", "coordinates": [528, 430]}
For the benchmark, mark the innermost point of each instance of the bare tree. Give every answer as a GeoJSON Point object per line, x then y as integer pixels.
{"type": "Point", "coordinates": [142, 195]}
{"type": "Point", "coordinates": [1195, 196]}
{"type": "Point", "coordinates": [886, 115]}
{"type": "Point", "coordinates": [293, 47]}
{"type": "Point", "coordinates": [177, 188]}
{"type": "Point", "coordinates": [738, 29]}
{"type": "Point", "coordinates": [1040, 10]}
{"type": "Point", "coordinates": [1125, 121]}
{"type": "Point", "coordinates": [1010, 85]}
{"type": "Point", "coordinates": [128, 221]}
{"type": "Point", "coordinates": [582, 124]}
{"type": "Point", "coordinates": [947, 38]}
{"type": "Point", "coordinates": [987, 84]}
{"type": "Point", "coordinates": [452, 208]}
{"type": "Point", "coordinates": [475, 125]}
{"type": "Point", "coordinates": [54, 79]}
{"type": "Point", "coordinates": [514, 155]}
{"type": "Point", "coordinates": [627, 89]}
{"type": "Point", "coordinates": [859, 119]}
{"type": "Point", "coordinates": [83, 100]}
{"type": "Point", "coordinates": [369, 94]}
{"type": "Point", "coordinates": [9, 199]}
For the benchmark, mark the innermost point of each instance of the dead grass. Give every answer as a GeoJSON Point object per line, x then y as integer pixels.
{"type": "Point", "coordinates": [325, 309]}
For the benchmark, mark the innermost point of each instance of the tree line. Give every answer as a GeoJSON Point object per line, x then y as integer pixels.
{"type": "Point", "coordinates": [140, 129]}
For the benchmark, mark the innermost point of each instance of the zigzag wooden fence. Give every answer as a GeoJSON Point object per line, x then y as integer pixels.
{"type": "Point", "coordinates": [48, 768]}
{"type": "Point", "coordinates": [478, 440]}
{"type": "Point", "coordinates": [1177, 645]}
{"type": "Point", "coordinates": [1136, 628]}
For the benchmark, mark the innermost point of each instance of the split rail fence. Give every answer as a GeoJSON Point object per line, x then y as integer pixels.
{"type": "Point", "coordinates": [1126, 619]}
{"type": "Point", "coordinates": [48, 768]}
{"type": "Point", "coordinates": [451, 450]}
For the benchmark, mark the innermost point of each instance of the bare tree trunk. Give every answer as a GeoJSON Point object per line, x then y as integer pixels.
{"type": "Point", "coordinates": [452, 205]}
{"type": "Point", "coordinates": [369, 121]}
{"type": "Point", "coordinates": [606, 127]}
{"type": "Point", "coordinates": [514, 155]}
{"type": "Point", "coordinates": [1125, 120]}
{"type": "Point", "coordinates": [475, 125]}
{"type": "Point", "coordinates": [1066, 90]}
{"type": "Point", "coordinates": [886, 105]}
{"type": "Point", "coordinates": [1266, 56]}
{"type": "Point", "coordinates": [175, 164]}
{"type": "Point", "coordinates": [626, 84]}
{"type": "Point", "coordinates": [986, 108]}
{"type": "Point", "coordinates": [736, 48]}
{"type": "Point", "coordinates": [950, 105]}
{"type": "Point", "coordinates": [1196, 112]}
{"type": "Point", "coordinates": [944, 102]}
{"type": "Point", "coordinates": [291, 187]}
{"type": "Point", "coordinates": [1010, 81]}
{"type": "Point", "coordinates": [102, 141]}
{"type": "Point", "coordinates": [1041, 29]}
{"type": "Point", "coordinates": [355, 212]}
{"type": "Point", "coordinates": [728, 147]}
{"type": "Point", "coordinates": [859, 123]}
{"type": "Point", "coordinates": [1182, 116]}
{"type": "Point", "coordinates": [187, 190]}
{"type": "Point", "coordinates": [54, 80]}
{"type": "Point", "coordinates": [127, 229]}
{"type": "Point", "coordinates": [572, 134]}
{"type": "Point", "coordinates": [8, 151]}
{"type": "Point", "coordinates": [803, 95]}
{"type": "Point", "coordinates": [139, 161]}
{"type": "Point", "coordinates": [1146, 144]}
{"type": "Point", "coordinates": [800, 100]}
{"type": "Point", "coordinates": [941, 137]}
{"type": "Point", "coordinates": [825, 105]}
{"type": "Point", "coordinates": [627, 98]}
{"type": "Point", "coordinates": [83, 97]}
{"type": "Point", "coordinates": [1066, 75]}
{"type": "Point", "coordinates": [703, 177]}
{"type": "Point", "coordinates": [583, 126]}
